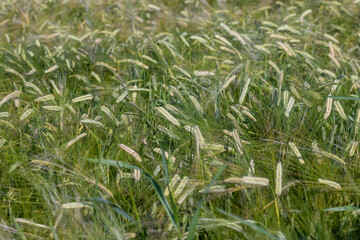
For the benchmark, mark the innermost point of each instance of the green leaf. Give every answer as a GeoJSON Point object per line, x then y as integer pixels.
{"type": "Point", "coordinates": [344, 98]}
{"type": "Point", "coordinates": [116, 208]}
{"type": "Point", "coordinates": [192, 227]}
{"type": "Point", "coordinates": [156, 186]}
{"type": "Point", "coordinates": [249, 224]}
{"type": "Point", "coordinates": [166, 171]}
{"type": "Point", "coordinates": [163, 201]}
{"type": "Point", "coordinates": [167, 182]}
{"type": "Point", "coordinates": [341, 209]}
{"type": "Point", "coordinates": [113, 163]}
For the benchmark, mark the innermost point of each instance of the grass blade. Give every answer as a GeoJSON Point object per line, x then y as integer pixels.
{"type": "Point", "coordinates": [192, 227]}
{"type": "Point", "coordinates": [249, 224]}
{"type": "Point", "coordinates": [344, 98]}
{"type": "Point", "coordinates": [156, 186]}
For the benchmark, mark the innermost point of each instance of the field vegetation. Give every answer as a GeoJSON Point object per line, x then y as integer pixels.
{"type": "Point", "coordinates": [188, 119]}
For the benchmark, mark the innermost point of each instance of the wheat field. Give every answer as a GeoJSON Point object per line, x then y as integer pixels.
{"type": "Point", "coordinates": [181, 119]}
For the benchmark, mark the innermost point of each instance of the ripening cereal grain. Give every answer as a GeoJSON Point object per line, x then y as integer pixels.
{"type": "Point", "coordinates": [277, 69]}
{"type": "Point", "coordinates": [106, 66]}
{"type": "Point", "coordinates": [4, 114]}
{"type": "Point", "coordinates": [316, 150]}
{"type": "Point", "coordinates": [149, 59]}
{"type": "Point", "coordinates": [262, 49]}
{"type": "Point", "coordinates": [331, 38]}
{"type": "Point", "coordinates": [158, 150]}
{"type": "Point", "coordinates": [329, 102]}
{"type": "Point", "coordinates": [168, 116]}
{"type": "Point", "coordinates": [278, 180]}
{"type": "Point", "coordinates": [285, 48]}
{"type": "Point", "coordinates": [83, 98]}
{"type": "Point", "coordinates": [137, 175]}
{"type": "Point", "coordinates": [185, 73]}
{"type": "Point", "coordinates": [334, 60]}
{"type": "Point", "coordinates": [2, 142]}
{"type": "Point", "coordinates": [10, 96]}
{"type": "Point", "coordinates": [249, 180]}
{"type": "Point", "coordinates": [234, 34]}
{"type": "Point", "coordinates": [285, 98]}
{"type": "Point", "coordinates": [334, 157]}
{"type": "Point", "coordinates": [181, 186]}
{"type": "Point", "coordinates": [196, 104]}
{"type": "Point", "coordinates": [197, 132]}
{"type": "Point", "coordinates": [304, 14]}
{"type": "Point", "coordinates": [33, 86]}
{"type": "Point", "coordinates": [122, 97]}
{"type": "Point", "coordinates": [289, 106]}
{"type": "Point", "coordinates": [94, 74]}
{"type": "Point", "coordinates": [55, 87]}
{"type": "Point", "coordinates": [340, 109]}
{"type": "Point", "coordinates": [244, 91]}
{"type": "Point", "coordinates": [25, 221]}
{"type": "Point", "coordinates": [227, 82]}
{"type": "Point", "coordinates": [44, 98]}
{"type": "Point", "coordinates": [353, 148]}
{"type": "Point", "coordinates": [26, 114]}
{"type": "Point", "coordinates": [238, 143]}
{"type": "Point", "coordinates": [131, 152]}
{"type": "Point", "coordinates": [136, 62]}
{"type": "Point", "coordinates": [75, 140]}
{"type": "Point", "coordinates": [173, 182]}
{"type": "Point", "coordinates": [90, 121]}
{"type": "Point", "coordinates": [10, 70]}
{"type": "Point", "coordinates": [51, 69]}
{"type": "Point", "coordinates": [330, 183]}
{"type": "Point", "coordinates": [296, 152]}
{"type": "Point", "coordinates": [186, 194]}
{"type": "Point", "coordinates": [110, 114]}
{"type": "Point", "coordinates": [31, 72]}
{"type": "Point", "coordinates": [167, 132]}
{"type": "Point", "coordinates": [213, 189]}
{"type": "Point", "coordinates": [73, 205]}
{"type": "Point", "coordinates": [224, 40]}
{"type": "Point", "coordinates": [203, 73]}
{"type": "Point", "coordinates": [255, 180]}
{"type": "Point", "coordinates": [53, 108]}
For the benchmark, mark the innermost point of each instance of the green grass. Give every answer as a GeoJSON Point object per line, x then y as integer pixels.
{"type": "Point", "coordinates": [238, 120]}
